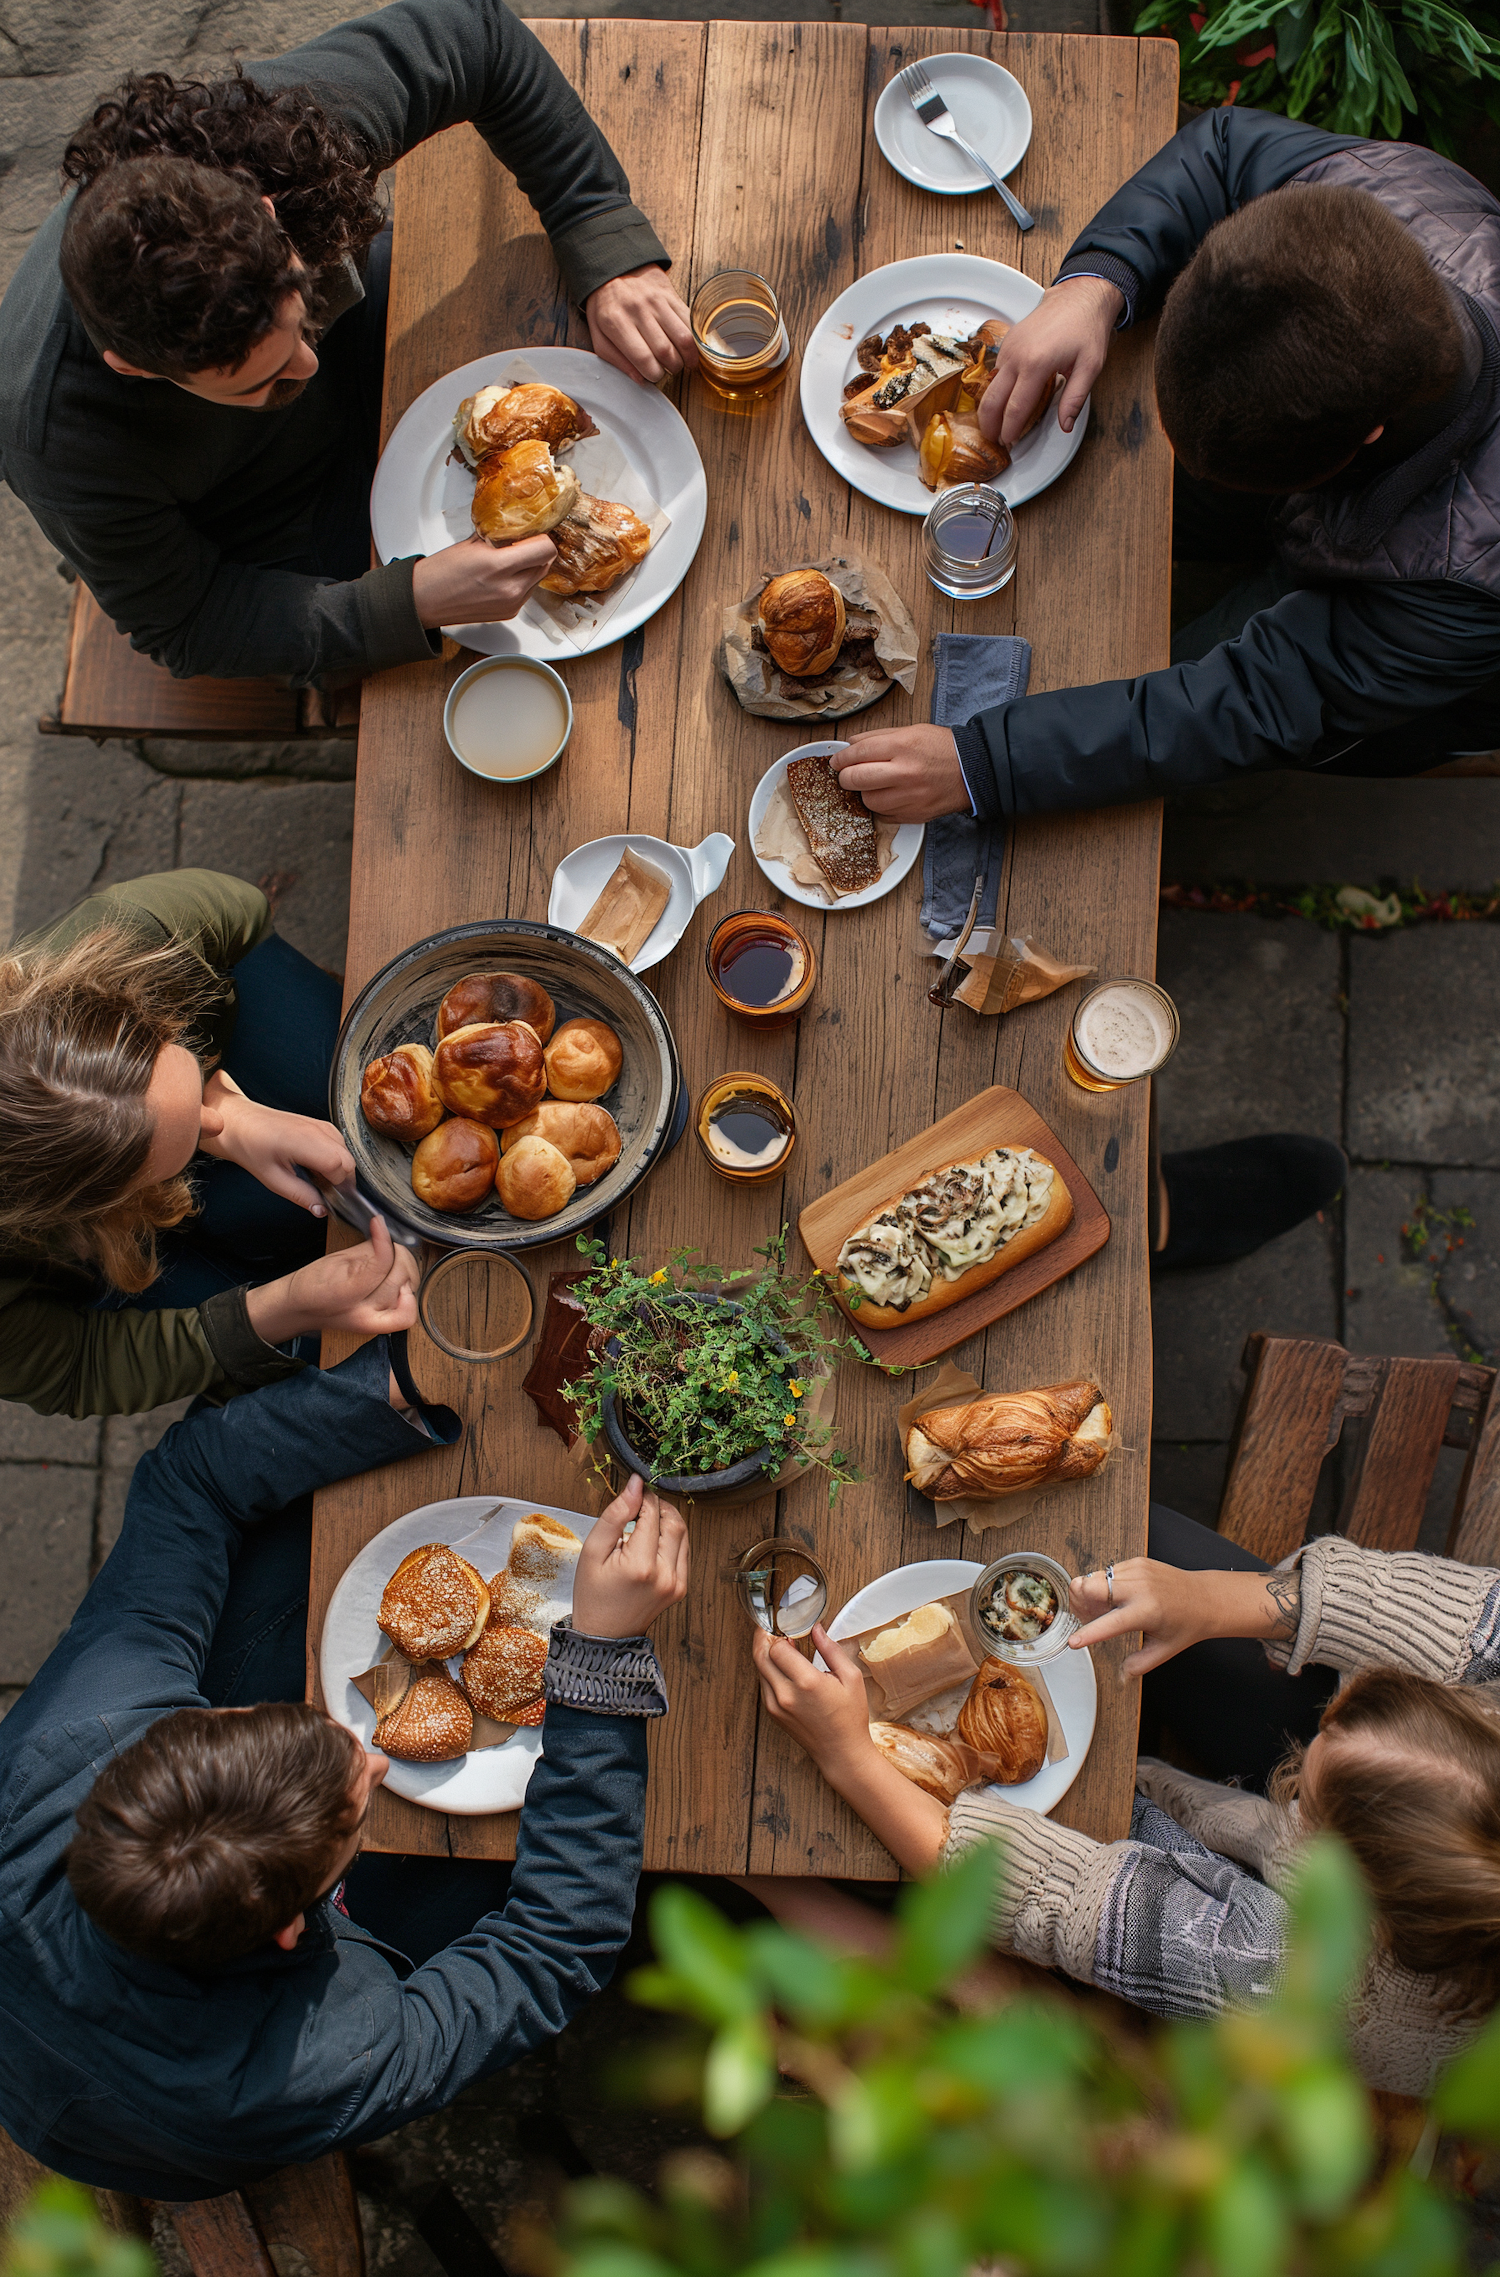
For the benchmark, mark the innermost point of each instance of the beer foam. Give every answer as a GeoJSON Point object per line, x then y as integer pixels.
{"type": "Point", "coordinates": [1123, 1031]}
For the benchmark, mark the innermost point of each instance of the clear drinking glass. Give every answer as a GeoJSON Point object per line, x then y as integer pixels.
{"type": "Point", "coordinates": [782, 1587]}
{"type": "Point", "coordinates": [969, 542]}
{"type": "Point", "coordinates": [477, 1304]}
{"type": "Point", "coordinates": [743, 349]}
{"type": "Point", "coordinates": [761, 968]}
{"type": "Point", "coordinates": [1120, 1032]}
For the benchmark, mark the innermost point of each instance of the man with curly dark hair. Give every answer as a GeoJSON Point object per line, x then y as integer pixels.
{"type": "Point", "coordinates": [222, 249]}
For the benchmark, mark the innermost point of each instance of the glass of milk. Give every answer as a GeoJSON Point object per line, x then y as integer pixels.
{"type": "Point", "coordinates": [508, 718]}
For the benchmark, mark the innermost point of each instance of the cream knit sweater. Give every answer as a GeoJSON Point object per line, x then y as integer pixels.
{"type": "Point", "coordinates": [1188, 1916]}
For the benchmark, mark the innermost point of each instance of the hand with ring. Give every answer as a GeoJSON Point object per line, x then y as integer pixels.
{"type": "Point", "coordinates": [1170, 1607]}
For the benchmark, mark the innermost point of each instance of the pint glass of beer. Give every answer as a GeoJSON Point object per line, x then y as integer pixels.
{"type": "Point", "coordinates": [743, 349]}
{"type": "Point", "coordinates": [1120, 1032]}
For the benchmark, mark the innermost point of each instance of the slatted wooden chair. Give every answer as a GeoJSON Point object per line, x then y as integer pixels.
{"type": "Point", "coordinates": [1299, 1394]}
{"type": "Point", "coordinates": [112, 690]}
{"type": "Point", "coordinates": [300, 2222]}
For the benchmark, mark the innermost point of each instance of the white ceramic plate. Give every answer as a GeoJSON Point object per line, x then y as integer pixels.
{"type": "Point", "coordinates": [989, 109]}
{"type": "Point", "coordinates": [954, 293]}
{"type": "Point", "coordinates": [695, 872]}
{"type": "Point", "coordinates": [492, 1778]}
{"type": "Point", "coordinates": [908, 842]}
{"type": "Point", "coordinates": [1070, 1675]}
{"type": "Point", "coordinates": [420, 503]}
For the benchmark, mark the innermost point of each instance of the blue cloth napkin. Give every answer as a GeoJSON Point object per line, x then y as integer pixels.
{"type": "Point", "coordinates": [973, 671]}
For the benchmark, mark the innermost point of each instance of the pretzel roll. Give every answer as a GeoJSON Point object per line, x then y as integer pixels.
{"type": "Point", "coordinates": [454, 1167]}
{"type": "Point", "coordinates": [482, 997]}
{"type": "Point", "coordinates": [583, 1060]}
{"type": "Point", "coordinates": [397, 1095]}
{"type": "Point", "coordinates": [492, 1070]}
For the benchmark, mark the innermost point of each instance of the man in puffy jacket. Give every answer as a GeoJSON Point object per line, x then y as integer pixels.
{"type": "Point", "coordinates": [1328, 371]}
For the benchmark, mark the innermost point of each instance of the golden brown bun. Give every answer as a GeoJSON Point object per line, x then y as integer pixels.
{"type": "Point", "coordinates": [1004, 1718]}
{"type": "Point", "coordinates": [583, 1060]}
{"type": "Point", "coordinates": [454, 1167]}
{"type": "Point", "coordinates": [397, 1094]}
{"type": "Point", "coordinates": [521, 492]}
{"type": "Point", "coordinates": [1000, 1442]}
{"type": "Point", "coordinates": [492, 1070]}
{"type": "Point", "coordinates": [535, 1179]}
{"type": "Point", "coordinates": [1057, 1215]}
{"type": "Point", "coordinates": [497, 418]}
{"type": "Point", "coordinates": [432, 1722]}
{"type": "Point", "coordinates": [502, 1672]}
{"type": "Point", "coordinates": [596, 543]}
{"type": "Point", "coordinates": [802, 617]}
{"type": "Point", "coordinates": [951, 449]}
{"type": "Point", "coordinates": [938, 1766]}
{"type": "Point", "coordinates": [588, 1135]}
{"type": "Point", "coordinates": [434, 1603]}
{"type": "Point", "coordinates": [481, 998]}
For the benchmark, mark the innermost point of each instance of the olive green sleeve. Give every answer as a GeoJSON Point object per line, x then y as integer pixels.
{"type": "Point", "coordinates": [223, 918]}
{"type": "Point", "coordinates": [69, 1359]}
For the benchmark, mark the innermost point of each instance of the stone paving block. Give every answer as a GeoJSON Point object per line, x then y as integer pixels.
{"type": "Point", "coordinates": [125, 1439]}
{"type": "Point", "coordinates": [26, 1437]}
{"type": "Point", "coordinates": [1262, 1038]}
{"type": "Point", "coordinates": [1189, 1478]}
{"type": "Point", "coordinates": [1424, 1046]}
{"type": "Point", "coordinates": [1466, 1258]}
{"type": "Point", "coordinates": [46, 1526]}
{"type": "Point", "coordinates": [94, 815]}
{"type": "Point", "coordinates": [1389, 1305]}
{"type": "Point", "coordinates": [1296, 829]}
{"type": "Point", "coordinates": [9, 1694]}
{"type": "Point", "coordinates": [298, 832]}
{"type": "Point", "coordinates": [1200, 1321]}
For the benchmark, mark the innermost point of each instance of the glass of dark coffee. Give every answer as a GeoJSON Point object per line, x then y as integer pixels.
{"type": "Point", "coordinates": [762, 969]}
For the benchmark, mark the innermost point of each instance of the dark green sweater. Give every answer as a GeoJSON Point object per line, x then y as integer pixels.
{"type": "Point", "coordinates": [172, 509]}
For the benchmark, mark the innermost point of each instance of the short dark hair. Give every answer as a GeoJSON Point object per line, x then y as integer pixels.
{"type": "Point", "coordinates": [1302, 321]}
{"type": "Point", "coordinates": [213, 1830]}
{"type": "Point", "coordinates": [168, 254]}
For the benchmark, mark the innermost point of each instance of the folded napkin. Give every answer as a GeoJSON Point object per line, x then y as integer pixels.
{"type": "Point", "coordinates": [973, 671]}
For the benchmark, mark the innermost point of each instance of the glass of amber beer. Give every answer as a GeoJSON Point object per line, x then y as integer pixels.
{"type": "Point", "coordinates": [1120, 1032]}
{"type": "Point", "coordinates": [743, 349]}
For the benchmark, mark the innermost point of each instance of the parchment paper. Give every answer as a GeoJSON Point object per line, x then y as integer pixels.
{"type": "Point", "coordinates": [781, 838]}
{"type": "Point", "coordinates": [1017, 971]}
{"type": "Point", "coordinates": [757, 681]}
{"type": "Point", "coordinates": [939, 1715]}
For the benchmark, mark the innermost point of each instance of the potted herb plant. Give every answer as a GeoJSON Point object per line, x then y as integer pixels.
{"type": "Point", "coordinates": [705, 1380]}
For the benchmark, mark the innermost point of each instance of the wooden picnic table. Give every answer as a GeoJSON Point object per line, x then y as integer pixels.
{"type": "Point", "coordinates": [751, 145]}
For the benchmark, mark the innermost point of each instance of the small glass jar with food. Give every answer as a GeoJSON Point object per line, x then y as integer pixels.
{"type": "Point", "coordinates": [746, 1127]}
{"type": "Point", "coordinates": [1019, 1607]}
{"type": "Point", "coordinates": [762, 969]}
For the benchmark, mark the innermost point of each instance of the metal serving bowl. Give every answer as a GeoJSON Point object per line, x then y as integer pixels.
{"type": "Point", "coordinates": [399, 1006]}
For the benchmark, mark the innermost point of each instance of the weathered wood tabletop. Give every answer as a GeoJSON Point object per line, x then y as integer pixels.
{"type": "Point", "coordinates": [751, 145]}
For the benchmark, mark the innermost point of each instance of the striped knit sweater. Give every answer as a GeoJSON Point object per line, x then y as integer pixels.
{"type": "Point", "coordinates": [1188, 1916]}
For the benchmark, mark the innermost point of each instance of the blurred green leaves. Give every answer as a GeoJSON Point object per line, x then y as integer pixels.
{"type": "Point", "coordinates": [874, 2128]}
{"type": "Point", "coordinates": [59, 2234]}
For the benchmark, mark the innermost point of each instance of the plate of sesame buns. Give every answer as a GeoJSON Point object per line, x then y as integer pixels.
{"type": "Point", "coordinates": [435, 1640]}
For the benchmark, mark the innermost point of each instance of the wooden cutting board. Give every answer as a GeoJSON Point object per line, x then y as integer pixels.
{"type": "Point", "coordinates": [997, 1117]}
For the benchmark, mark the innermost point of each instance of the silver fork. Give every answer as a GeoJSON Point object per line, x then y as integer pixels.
{"type": "Point", "coordinates": [938, 119]}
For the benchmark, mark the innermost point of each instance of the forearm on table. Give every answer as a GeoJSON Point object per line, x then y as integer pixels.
{"type": "Point", "coordinates": [912, 1825]}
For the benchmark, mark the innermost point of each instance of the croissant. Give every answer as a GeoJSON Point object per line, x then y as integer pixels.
{"type": "Point", "coordinates": [1002, 1441]}
{"type": "Point", "coordinates": [941, 1767]}
{"type": "Point", "coordinates": [522, 491]}
{"type": "Point", "coordinates": [951, 449]}
{"type": "Point", "coordinates": [1004, 1718]}
{"type": "Point", "coordinates": [802, 617]}
{"type": "Point", "coordinates": [494, 418]}
{"type": "Point", "coordinates": [597, 541]}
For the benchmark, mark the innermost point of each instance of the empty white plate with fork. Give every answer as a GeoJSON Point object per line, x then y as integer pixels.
{"type": "Point", "coordinates": [989, 107]}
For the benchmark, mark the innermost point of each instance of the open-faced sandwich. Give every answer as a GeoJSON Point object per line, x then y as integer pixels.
{"type": "Point", "coordinates": [954, 1233]}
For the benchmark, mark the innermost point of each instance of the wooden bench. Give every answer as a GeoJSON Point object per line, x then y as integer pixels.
{"type": "Point", "coordinates": [1299, 1394]}
{"type": "Point", "coordinates": [112, 690]}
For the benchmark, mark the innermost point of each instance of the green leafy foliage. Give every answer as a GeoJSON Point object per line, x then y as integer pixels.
{"type": "Point", "coordinates": [874, 2129]}
{"type": "Point", "coordinates": [58, 2233]}
{"type": "Point", "coordinates": [1422, 70]}
{"type": "Point", "coordinates": [700, 1387]}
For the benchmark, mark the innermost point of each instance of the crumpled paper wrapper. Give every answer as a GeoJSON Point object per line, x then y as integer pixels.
{"type": "Point", "coordinates": [761, 686]}
{"type": "Point", "coordinates": [781, 838]}
{"type": "Point", "coordinates": [605, 472]}
{"type": "Point", "coordinates": [939, 1714]}
{"type": "Point", "coordinates": [955, 1387]}
{"type": "Point", "coordinates": [1019, 971]}
{"type": "Point", "coordinates": [386, 1685]}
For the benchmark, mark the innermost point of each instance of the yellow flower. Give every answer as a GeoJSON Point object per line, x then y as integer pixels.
{"type": "Point", "coordinates": [795, 1388]}
{"type": "Point", "coordinates": [789, 1420]}
{"type": "Point", "coordinates": [731, 1381]}
{"type": "Point", "coordinates": [656, 1279]}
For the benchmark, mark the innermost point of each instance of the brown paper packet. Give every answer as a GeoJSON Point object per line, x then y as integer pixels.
{"type": "Point", "coordinates": [867, 591]}
{"type": "Point", "coordinates": [781, 838]}
{"type": "Point", "coordinates": [958, 1606]}
{"type": "Point", "coordinates": [1019, 972]}
{"type": "Point", "coordinates": [386, 1684]}
{"type": "Point", "coordinates": [626, 913]}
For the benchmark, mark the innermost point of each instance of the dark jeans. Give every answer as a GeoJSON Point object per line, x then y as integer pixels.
{"type": "Point", "coordinates": [1220, 1707]}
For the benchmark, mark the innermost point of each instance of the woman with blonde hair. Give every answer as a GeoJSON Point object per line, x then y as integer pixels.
{"type": "Point", "coordinates": [164, 1064]}
{"type": "Point", "coordinates": [1384, 1673]}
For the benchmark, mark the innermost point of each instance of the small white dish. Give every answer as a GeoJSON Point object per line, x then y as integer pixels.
{"type": "Point", "coordinates": [695, 872]}
{"type": "Point", "coordinates": [506, 669]}
{"type": "Point", "coordinates": [908, 842]}
{"type": "Point", "coordinates": [989, 109]}
{"type": "Point", "coordinates": [1069, 1678]}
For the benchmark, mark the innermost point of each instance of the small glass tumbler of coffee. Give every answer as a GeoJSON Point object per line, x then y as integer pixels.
{"type": "Point", "coordinates": [761, 968]}
{"type": "Point", "coordinates": [743, 349]}
{"type": "Point", "coordinates": [782, 1587]}
{"type": "Point", "coordinates": [1120, 1032]}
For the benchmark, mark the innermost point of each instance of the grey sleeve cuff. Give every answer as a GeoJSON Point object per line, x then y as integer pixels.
{"type": "Point", "coordinates": [393, 632]}
{"type": "Point", "coordinates": [607, 245]}
{"type": "Point", "coordinates": [243, 1356]}
{"type": "Point", "coordinates": [605, 1676]}
{"type": "Point", "coordinates": [1113, 270]}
